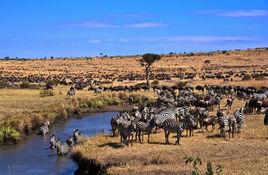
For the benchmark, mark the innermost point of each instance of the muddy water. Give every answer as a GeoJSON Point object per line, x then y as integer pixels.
{"type": "Point", "coordinates": [35, 158]}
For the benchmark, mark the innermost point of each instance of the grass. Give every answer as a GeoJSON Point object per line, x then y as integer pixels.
{"type": "Point", "coordinates": [246, 154]}
{"type": "Point", "coordinates": [24, 110]}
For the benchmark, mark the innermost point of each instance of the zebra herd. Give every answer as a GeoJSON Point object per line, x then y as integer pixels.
{"type": "Point", "coordinates": [175, 114]}
{"type": "Point", "coordinates": [55, 142]}
{"type": "Point", "coordinates": [63, 148]}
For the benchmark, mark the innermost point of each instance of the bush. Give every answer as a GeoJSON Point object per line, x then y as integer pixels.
{"type": "Point", "coordinates": [9, 135]}
{"type": "Point", "coordinates": [246, 77]}
{"type": "Point", "coordinates": [181, 84]}
{"type": "Point", "coordinates": [3, 84]}
{"type": "Point", "coordinates": [46, 93]}
{"type": "Point", "coordinates": [196, 161]}
{"type": "Point", "coordinates": [27, 85]}
{"type": "Point", "coordinates": [95, 103]}
{"type": "Point", "coordinates": [155, 82]}
{"type": "Point", "coordinates": [137, 99]}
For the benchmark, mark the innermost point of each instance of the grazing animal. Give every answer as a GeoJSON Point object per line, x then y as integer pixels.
{"type": "Point", "coordinates": [239, 115]}
{"type": "Point", "coordinates": [209, 121]}
{"type": "Point", "coordinates": [190, 125]}
{"type": "Point", "coordinates": [175, 126]}
{"type": "Point", "coordinates": [62, 149]}
{"type": "Point", "coordinates": [70, 93]}
{"type": "Point", "coordinates": [229, 103]}
{"type": "Point", "coordinates": [52, 141]}
{"type": "Point", "coordinates": [223, 122]}
{"type": "Point", "coordinates": [44, 129]}
{"type": "Point", "coordinates": [142, 127]}
{"type": "Point", "coordinates": [266, 118]}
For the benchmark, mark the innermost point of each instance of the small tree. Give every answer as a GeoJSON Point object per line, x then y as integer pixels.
{"type": "Point", "coordinates": [147, 61]}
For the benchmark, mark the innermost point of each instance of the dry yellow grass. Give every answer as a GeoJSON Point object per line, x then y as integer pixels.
{"type": "Point", "coordinates": [24, 108]}
{"type": "Point", "coordinates": [241, 60]}
{"type": "Point", "coordinates": [246, 154]}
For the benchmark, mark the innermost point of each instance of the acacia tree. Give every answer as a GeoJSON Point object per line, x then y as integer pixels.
{"type": "Point", "coordinates": [147, 61]}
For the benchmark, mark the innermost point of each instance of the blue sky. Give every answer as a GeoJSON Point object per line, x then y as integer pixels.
{"type": "Point", "coordinates": [39, 28]}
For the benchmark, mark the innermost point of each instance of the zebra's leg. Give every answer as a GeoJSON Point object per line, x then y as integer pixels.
{"type": "Point", "coordinates": [140, 136]}
{"type": "Point", "coordinates": [148, 141]}
{"type": "Point", "coordinates": [177, 141]}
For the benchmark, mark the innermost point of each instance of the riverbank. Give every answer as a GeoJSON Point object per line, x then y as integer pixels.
{"type": "Point", "coordinates": [247, 153]}
{"type": "Point", "coordinates": [22, 111]}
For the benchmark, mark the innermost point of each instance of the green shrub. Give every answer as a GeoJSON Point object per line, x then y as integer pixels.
{"type": "Point", "coordinates": [137, 99]}
{"type": "Point", "coordinates": [246, 77]}
{"type": "Point", "coordinates": [94, 103]}
{"type": "Point", "coordinates": [3, 84]}
{"type": "Point", "coordinates": [155, 82]}
{"type": "Point", "coordinates": [196, 162]}
{"type": "Point", "coordinates": [181, 84]}
{"type": "Point", "coordinates": [46, 93]}
{"type": "Point", "coordinates": [9, 135]}
{"type": "Point", "coordinates": [27, 85]}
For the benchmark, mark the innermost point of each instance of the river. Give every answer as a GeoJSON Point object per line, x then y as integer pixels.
{"type": "Point", "coordinates": [34, 157]}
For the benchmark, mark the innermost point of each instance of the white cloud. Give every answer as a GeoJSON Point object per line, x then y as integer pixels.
{"type": "Point", "coordinates": [123, 40]}
{"type": "Point", "coordinates": [95, 41]}
{"type": "Point", "coordinates": [131, 15]}
{"type": "Point", "coordinates": [94, 24]}
{"type": "Point", "coordinates": [146, 25]}
{"type": "Point", "coordinates": [196, 39]}
{"type": "Point", "coordinates": [237, 13]}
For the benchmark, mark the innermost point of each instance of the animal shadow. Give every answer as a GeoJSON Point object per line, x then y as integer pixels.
{"type": "Point", "coordinates": [113, 145]}
{"type": "Point", "coordinates": [214, 136]}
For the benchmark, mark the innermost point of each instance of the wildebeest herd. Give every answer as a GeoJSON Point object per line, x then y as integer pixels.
{"type": "Point", "coordinates": [188, 110]}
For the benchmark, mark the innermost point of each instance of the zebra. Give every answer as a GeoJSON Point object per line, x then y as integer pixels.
{"type": "Point", "coordinates": [114, 124]}
{"type": "Point", "coordinates": [209, 121]}
{"type": "Point", "coordinates": [76, 135]}
{"type": "Point", "coordinates": [70, 93]}
{"type": "Point", "coordinates": [266, 118]}
{"type": "Point", "coordinates": [239, 115]}
{"type": "Point", "coordinates": [70, 141]}
{"type": "Point", "coordinates": [52, 141]}
{"type": "Point", "coordinates": [44, 129]}
{"type": "Point", "coordinates": [97, 90]}
{"type": "Point", "coordinates": [126, 129]}
{"type": "Point", "coordinates": [190, 124]}
{"type": "Point", "coordinates": [233, 127]}
{"type": "Point", "coordinates": [223, 122]}
{"type": "Point", "coordinates": [62, 149]}
{"type": "Point", "coordinates": [142, 127]}
{"type": "Point", "coordinates": [173, 125]}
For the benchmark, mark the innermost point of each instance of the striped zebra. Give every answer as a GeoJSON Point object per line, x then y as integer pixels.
{"type": "Point", "coordinates": [70, 93]}
{"type": "Point", "coordinates": [62, 149]}
{"type": "Point", "coordinates": [52, 141]}
{"type": "Point", "coordinates": [223, 122]}
{"type": "Point", "coordinates": [190, 124]}
{"type": "Point", "coordinates": [44, 129]}
{"type": "Point", "coordinates": [173, 126]}
{"type": "Point", "coordinates": [239, 115]}
{"type": "Point", "coordinates": [181, 111]}
{"type": "Point", "coordinates": [142, 127]}
{"type": "Point", "coordinates": [233, 127]}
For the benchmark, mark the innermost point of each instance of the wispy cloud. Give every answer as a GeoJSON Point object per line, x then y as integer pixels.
{"type": "Point", "coordinates": [93, 24]}
{"type": "Point", "coordinates": [94, 41]}
{"type": "Point", "coordinates": [131, 15]}
{"type": "Point", "coordinates": [146, 25]}
{"type": "Point", "coordinates": [237, 13]}
{"type": "Point", "coordinates": [179, 39]}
